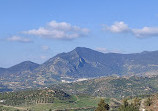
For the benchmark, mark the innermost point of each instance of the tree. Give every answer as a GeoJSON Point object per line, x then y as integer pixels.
{"type": "Point", "coordinates": [148, 102]}
{"type": "Point", "coordinates": [102, 106]}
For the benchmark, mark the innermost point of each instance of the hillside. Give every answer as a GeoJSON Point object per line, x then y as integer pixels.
{"type": "Point", "coordinates": [84, 95]}
{"type": "Point", "coordinates": [45, 99]}
{"type": "Point", "coordinates": [78, 63]}
{"type": "Point", "coordinates": [113, 87]}
{"type": "Point", "coordinates": [30, 97]}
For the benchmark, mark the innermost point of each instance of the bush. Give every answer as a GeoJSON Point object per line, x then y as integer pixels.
{"type": "Point", "coordinates": [102, 106]}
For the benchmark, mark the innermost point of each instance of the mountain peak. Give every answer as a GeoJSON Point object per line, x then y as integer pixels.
{"type": "Point", "coordinates": [26, 65]}
{"type": "Point", "coordinates": [84, 51]}
{"type": "Point", "coordinates": [77, 48]}
{"type": "Point", "coordinates": [28, 62]}
{"type": "Point", "coordinates": [81, 48]}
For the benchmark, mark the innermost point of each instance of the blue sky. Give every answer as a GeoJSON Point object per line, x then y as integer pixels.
{"type": "Point", "coordinates": [36, 30]}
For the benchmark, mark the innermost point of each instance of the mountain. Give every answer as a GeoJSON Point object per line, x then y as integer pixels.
{"type": "Point", "coordinates": [85, 63]}
{"type": "Point", "coordinates": [24, 66]}
{"type": "Point", "coordinates": [79, 63]}
{"type": "Point", "coordinates": [19, 68]}
{"type": "Point", "coordinates": [16, 76]}
{"type": "Point", "coordinates": [18, 71]}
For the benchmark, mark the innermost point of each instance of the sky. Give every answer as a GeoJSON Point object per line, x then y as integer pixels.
{"type": "Point", "coordinates": [37, 30]}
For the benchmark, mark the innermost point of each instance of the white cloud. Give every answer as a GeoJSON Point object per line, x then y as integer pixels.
{"type": "Point", "coordinates": [59, 30]}
{"type": "Point", "coordinates": [118, 27]}
{"type": "Point", "coordinates": [146, 31]}
{"type": "Point", "coordinates": [45, 47]}
{"type": "Point", "coordinates": [104, 50]}
{"type": "Point", "coordinates": [121, 27]}
{"type": "Point", "coordinates": [60, 26]}
{"type": "Point", "coordinates": [18, 39]}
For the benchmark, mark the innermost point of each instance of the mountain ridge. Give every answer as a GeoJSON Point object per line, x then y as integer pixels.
{"type": "Point", "coordinates": [80, 63]}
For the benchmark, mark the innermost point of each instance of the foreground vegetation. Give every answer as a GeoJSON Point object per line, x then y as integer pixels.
{"type": "Point", "coordinates": [34, 96]}
{"type": "Point", "coordinates": [12, 101]}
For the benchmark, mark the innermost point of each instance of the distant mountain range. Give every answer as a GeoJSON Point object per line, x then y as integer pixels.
{"type": "Point", "coordinates": [79, 63]}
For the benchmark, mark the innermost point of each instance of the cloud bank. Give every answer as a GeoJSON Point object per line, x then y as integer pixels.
{"type": "Point", "coordinates": [59, 30]}
{"type": "Point", "coordinates": [121, 27]}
